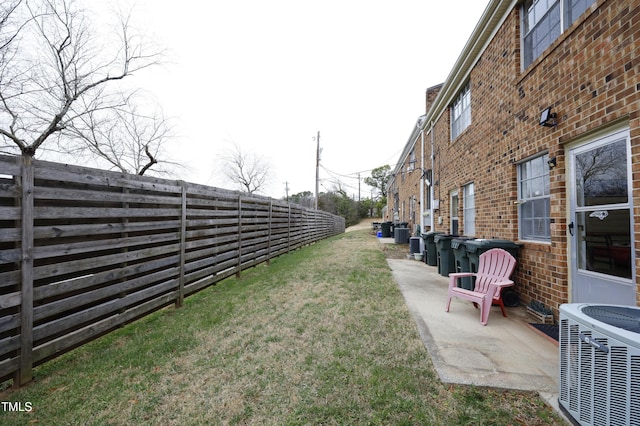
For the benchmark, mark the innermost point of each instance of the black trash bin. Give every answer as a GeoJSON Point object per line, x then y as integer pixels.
{"type": "Point", "coordinates": [461, 261]}
{"type": "Point", "coordinates": [401, 235]}
{"type": "Point", "coordinates": [476, 247]}
{"type": "Point", "coordinates": [446, 260]}
{"type": "Point", "coordinates": [386, 229]}
{"type": "Point", "coordinates": [430, 247]}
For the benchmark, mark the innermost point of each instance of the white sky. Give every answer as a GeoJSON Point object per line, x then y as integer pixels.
{"type": "Point", "coordinates": [270, 74]}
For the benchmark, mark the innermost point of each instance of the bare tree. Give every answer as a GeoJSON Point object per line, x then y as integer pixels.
{"type": "Point", "coordinates": [57, 70]}
{"type": "Point", "coordinates": [249, 171]}
{"type": "Point", "coordinates": [130, 137]}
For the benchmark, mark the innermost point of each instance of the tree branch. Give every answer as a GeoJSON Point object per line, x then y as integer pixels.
{"type": "Point", "coordinates": [151, 162]}
{"type": "Point", "coordinates": [41, 88]}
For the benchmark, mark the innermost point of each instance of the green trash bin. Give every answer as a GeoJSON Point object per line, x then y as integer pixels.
{"type": "Point", "coordinates": [461, 261]}
{"type": "Point", "coordinates": [446, 259]}
{"type": "Point", "coordinates": [386, 229]}
{"type": "Point", "coordinates": [476, 247]}
{"type": "Point", "coordinates": [430, 247]}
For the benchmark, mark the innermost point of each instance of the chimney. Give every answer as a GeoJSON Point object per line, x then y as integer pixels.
{"type": "Point", "coordinates": [432, 94]}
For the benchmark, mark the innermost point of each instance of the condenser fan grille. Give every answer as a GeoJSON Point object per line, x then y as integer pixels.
{"type": "Point", "coordinates": [600, 364]}
{"type": "Point", "coordinates": [617, 316]}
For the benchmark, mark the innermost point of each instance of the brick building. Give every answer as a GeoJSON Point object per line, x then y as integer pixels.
{"type": "Point", "coordinates": [483, 162]}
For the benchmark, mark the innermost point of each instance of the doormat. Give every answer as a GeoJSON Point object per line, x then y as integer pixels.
{"type": "Point", "coordinates": [549, 330]}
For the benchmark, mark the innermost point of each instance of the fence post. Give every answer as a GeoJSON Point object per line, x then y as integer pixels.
{"type": "Point", "coordinates": [24, 375]}
{"type": "Point", "coordinates": [239, 235]}
{"type": "Point", "coordinates": [124, 235]}
{"type": "Point", "coordinates": [289, 230]}
{"type": "Point", "coordinates": [183, 242]}
{"type": "Point", "coordinates": [270, 236]}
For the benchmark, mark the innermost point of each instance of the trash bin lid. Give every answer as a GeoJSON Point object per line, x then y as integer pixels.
{"type": "Point", "coordinates": [430, 235]}
{"type": "Point", "coordinates": [459, 242]}
{"type": "Point", "coordinates": [440, 237]}
{"type": "Point", "coordinates": [474, 245]}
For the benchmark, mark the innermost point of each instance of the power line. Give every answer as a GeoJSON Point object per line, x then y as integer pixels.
{"type": "Point", "coordinates": [351, 175]}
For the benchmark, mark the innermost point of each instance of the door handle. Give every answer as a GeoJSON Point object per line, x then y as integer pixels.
{"type": "Point", "coordinates": [570, 226]}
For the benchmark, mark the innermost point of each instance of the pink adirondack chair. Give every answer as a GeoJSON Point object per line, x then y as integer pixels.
{"type": "Point", "coordinates": [494, 269]}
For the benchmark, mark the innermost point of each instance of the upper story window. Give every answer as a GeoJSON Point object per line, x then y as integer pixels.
{"type": "Point", "coordinates": [461, 112]}
{"type": "Point", "coordinates": [412, 161]}
{"type": "Point", "coordinates": [534, 199]}
{"type": "Point", "coordinates": [544, 20]}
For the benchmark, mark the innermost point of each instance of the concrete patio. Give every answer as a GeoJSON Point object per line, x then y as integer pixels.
{"type": "Point", "coordinates": [506, 353]}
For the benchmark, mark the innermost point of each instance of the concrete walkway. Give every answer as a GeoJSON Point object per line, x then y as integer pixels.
{"type": "Point", "coordinates": [506, 353]}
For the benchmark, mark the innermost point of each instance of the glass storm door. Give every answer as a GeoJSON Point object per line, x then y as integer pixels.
{"type": "Point", "coordinates": [601, 222]}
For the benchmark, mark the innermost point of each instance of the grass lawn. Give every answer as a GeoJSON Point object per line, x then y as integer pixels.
{"type": "Point", "coordinates": [320, 336]}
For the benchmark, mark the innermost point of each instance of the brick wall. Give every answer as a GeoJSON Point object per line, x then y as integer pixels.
{"type": "Point", "coordinates": [590, 76]}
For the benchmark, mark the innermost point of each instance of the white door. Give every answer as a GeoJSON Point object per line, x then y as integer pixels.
{"type": "Point", "coordinates": [601, 223]}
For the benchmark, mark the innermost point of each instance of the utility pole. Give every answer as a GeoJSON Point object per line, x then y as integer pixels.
{"type": "Point", "coordinates": [358, 186]}
{"type": "Point", "coordinates": [317, 166]}
{"type": "Point", "coordinates": [286, 189]}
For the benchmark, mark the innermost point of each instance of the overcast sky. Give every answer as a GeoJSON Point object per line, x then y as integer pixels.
{"type": "Point", "coordinates": [270, 74]}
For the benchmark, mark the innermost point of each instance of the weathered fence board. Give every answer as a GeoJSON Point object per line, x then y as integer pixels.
{"type": "Point", "coordinates": [84, 251]}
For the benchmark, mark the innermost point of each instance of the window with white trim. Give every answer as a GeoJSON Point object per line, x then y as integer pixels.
{"type": "Point", "coordinates": [543, 21]}
{"type": "Point", "coordinates": [412, 161]}
{"type": "Point", "coordinates": [412, 209]}
{"type": "Point", "coordinates": [461, 112]}
{"type": "Point", "coordinates": [469, 209]}
{"type": "Point", "coordinates": [534, 200]}
{"type": "Point", "coordinates": [454, 213]}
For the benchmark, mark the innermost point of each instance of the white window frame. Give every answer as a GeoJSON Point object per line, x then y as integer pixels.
{"type": "Point", "coordinates": [543, 21]}
{"type": "Point", "coordinates": [412, 161]}
{"type": "Point", "coordinates": [454, 221]}
{"type": "Point", "coordinates": [413, 209]}
{"type": "Point", "coordinates": [534, 199]}
{"type": "Point", "coordinates": [461, 112]}
{"type": "Point", "coordinates": [469, 209]}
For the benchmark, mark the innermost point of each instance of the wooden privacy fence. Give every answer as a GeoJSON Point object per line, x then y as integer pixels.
{"type": "Point", "coordinates": [84, 251]}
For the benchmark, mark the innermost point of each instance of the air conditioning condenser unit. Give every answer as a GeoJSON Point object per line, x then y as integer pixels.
{"type": "Point", "coordinates": [600, 364]}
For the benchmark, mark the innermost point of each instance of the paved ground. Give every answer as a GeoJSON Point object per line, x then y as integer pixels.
{"type": "Point", "coordinates": [506, 353]}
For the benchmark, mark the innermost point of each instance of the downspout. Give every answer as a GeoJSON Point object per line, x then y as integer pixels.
{"type": "Point", "coordinates": [422, 177]}
{"type": "Point", "coordinates": [433, 180]}
{"type": "Point", "coordinates": [390, 184]}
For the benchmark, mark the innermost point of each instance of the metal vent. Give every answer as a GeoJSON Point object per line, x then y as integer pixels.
{"type": "Point", "coordinates": [599, 365]}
